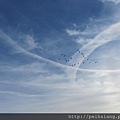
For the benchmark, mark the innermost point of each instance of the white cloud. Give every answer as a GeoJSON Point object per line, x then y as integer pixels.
{"type": "Point", "coordinates": [78, 32]}
{"type": "Point", "coordinates": [74, 24]}
{"type": "Point", "coordinates": [92, 98]}
{"type": "Point", "coordinates": [110, 34]}
{"type": "Point", "coordinates": [30, 42]}
{"type": "Point", "coordinates": [20, 94]}
{"type": "Point", "coordinates": [94, 27]}
{"type": "Point", "coordinates": [73, 32]}
{"type": "Point", "coordinates": [22, 50]}
{"type": "Point", "coordinates": [82, 40]}
{"type": "Point", "coordinates": [115, 1]}
{"type": "Point", "coordinates": [35, 67]}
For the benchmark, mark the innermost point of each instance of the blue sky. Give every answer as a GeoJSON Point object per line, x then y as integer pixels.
{"type": "Point", "coordinates": [35, 77]}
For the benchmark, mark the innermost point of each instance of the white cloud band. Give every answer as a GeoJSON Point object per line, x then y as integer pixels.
{"type": "Point", "coordinates": [115, 1]}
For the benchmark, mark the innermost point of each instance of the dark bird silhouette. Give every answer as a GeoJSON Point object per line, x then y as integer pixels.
{"type": "Point", "coordinates": [83, 62]}
{"type": "Point", "coordinates": [96, 62]}
{"type": "Point", "coordinates": [64, 55]}
{"type": "Point", "coordinates": [70, 58]}
{"type": "Point", "coordinates": [87, 59]}
{"type": "Point", "coordinates": [61, 54]}
{"type": "Point", "coordinates": [82, 54]}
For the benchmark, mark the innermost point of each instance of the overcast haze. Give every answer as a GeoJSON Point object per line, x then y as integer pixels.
{"type": "Point", "coordinates": [59, 56]}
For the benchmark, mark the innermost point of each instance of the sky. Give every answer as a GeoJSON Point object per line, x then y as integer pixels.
{"type": "Point", "coordinates": [59, 56]}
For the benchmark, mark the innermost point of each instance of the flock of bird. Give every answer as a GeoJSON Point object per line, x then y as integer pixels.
{"type": "Point", "coordinates": [63, 56]}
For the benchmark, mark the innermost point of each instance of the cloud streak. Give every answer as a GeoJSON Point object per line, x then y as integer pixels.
{"type": "Point", "coordinates": [20, 49]}
{"type": "Point", "coordinates": [41, 85]}
{"type": "Point", "coordinates": [106, 36]}
{"type": "Point", "coordinates": [21, 94]}
{"type": "Point", "coordinates": [73, 32]}
{"type": "Point", "coordinates": [115, 1]}
{"type": "Point", "coordinates": [110, 34]}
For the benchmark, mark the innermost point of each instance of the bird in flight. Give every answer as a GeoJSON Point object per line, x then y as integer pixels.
{"type": "Point", "coordinates": [74, 64]}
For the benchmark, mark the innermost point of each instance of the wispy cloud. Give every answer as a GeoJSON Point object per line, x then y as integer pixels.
{"type": "Point", "coordinates": [30, 41]}
{"type": "Point", "coordinates": [35, 67]}
{"type": "Point", "coordinates": [115, 1]}
{"type": "Point", "coordinates": [81, 40]}
{"type": "Point", "coordinates": [73, 32]}
{"type": "Point", "coordinates": [42, 85]}
{"type": "Point", "coordinates": [110, 34]}
{"type": "Point", "coordinates": [22, 50]}
{"type": "Point", "coordinates": [20, 94]}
